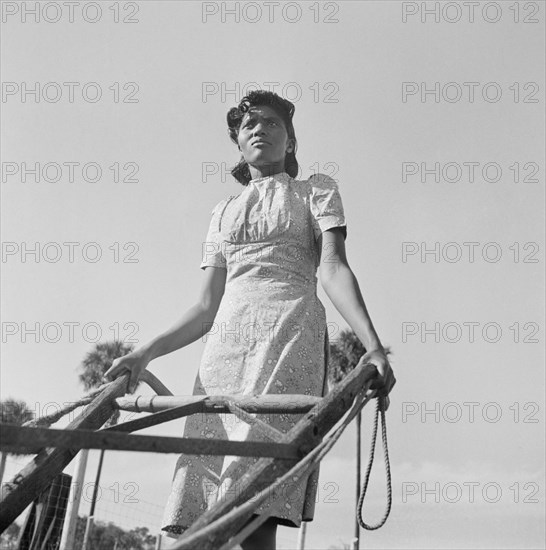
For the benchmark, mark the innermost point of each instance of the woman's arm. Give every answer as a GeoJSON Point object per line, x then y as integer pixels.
{"type": "Point", "coordinates": [197, 320]}
{"type": "Point", "coordinates": [341, 286]}
{"type": "Point", "coordinates": [195, 323]}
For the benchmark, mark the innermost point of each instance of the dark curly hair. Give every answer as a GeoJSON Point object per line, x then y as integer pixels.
{"type": "Point", "coordinates": [284, 108]}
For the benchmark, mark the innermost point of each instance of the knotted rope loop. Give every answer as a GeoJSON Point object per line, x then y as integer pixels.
{"type": "Point", "coordinates": [380, 409]}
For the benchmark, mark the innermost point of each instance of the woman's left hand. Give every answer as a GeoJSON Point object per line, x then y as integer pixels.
{"type": "Point", "coordinates": [386, 380]}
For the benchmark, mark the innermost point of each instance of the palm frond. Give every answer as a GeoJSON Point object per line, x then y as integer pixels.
{"type": "Point", "coordinates": [99, 360]}
{"type": "Point", "coordinates": [15, 411]}
{"type": "Point", "coordinates": [345, 353]}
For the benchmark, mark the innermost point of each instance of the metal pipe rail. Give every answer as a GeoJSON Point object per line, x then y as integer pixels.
{"type": "Point", "coordinates": [261, 404]}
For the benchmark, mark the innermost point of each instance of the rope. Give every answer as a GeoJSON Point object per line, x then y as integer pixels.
{"type": "Point", "coordinates": [379, 408]}
{"type": "Point", "coordinates": [49, 419]}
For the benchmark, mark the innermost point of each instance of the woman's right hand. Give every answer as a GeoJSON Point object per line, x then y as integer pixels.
{"type": "Point", "coordinates": [134, 362]}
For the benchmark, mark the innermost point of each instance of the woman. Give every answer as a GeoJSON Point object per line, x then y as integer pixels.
{"type": "Point", "coordinates": [264, 326]}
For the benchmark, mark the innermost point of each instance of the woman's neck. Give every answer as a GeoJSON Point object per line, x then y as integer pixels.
{"type": "Point", "coordinates": [257, 172]}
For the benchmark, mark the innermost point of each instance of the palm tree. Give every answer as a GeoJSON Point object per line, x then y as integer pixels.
{"type": "Point", "coordinates": [13, 411]}
{"type": "Point", "coordinates": [94, 365]}
{"type": "Point", "coordinates": [99, 360]}
{"type": "Point", "coordinates": [345, 353]}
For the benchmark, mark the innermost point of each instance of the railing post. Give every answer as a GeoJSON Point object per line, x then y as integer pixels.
{"type": "Point", "coordinates": [88, 529]}
{"type": "Point", "coordinates": [91, 518]}
{"type": "Point", "coordinates": [76, 490]}
{"type": "Point", "coordinates": [301, 535]}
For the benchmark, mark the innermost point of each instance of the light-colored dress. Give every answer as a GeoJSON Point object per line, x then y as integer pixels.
{"type": "Point", "coordinates": [269, 335]}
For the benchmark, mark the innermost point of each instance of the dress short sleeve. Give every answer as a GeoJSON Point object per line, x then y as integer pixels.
{"type": "Point", "coordinates": [212, 249]}
{"type": "Point", "coordinates": [326, 206]}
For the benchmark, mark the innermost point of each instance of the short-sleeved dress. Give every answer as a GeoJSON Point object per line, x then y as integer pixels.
{"type": "Point", "coordinates": [269, 335]}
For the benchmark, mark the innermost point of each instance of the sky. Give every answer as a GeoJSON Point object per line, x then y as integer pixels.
{"type": "Point", "coordinates": [430, 115]}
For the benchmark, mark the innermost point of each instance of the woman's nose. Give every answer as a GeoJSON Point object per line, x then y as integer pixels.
{"type": "Point", "coordinates": [259, 129]}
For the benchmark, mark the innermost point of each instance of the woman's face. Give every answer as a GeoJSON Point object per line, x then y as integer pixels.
{"type": "Point", "coordinates": [263, 139]}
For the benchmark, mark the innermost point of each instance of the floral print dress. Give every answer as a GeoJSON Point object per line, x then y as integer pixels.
{"type": "Point", "coordinates": [269, 335]}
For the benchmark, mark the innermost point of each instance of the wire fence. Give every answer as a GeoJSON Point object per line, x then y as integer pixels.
{"type": "Point", "coordinates": [118, 516]}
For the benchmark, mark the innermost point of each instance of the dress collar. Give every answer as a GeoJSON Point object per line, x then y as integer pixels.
{"type": "Point", "coordinates": [282, 177]}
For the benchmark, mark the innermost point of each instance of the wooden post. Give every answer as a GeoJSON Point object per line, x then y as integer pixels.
{"type": "Point", "coordinates": [74, 499]}
{"type": "Point", "coordinates": [88, 529]}
{"type": "Point", "coordinates": [48, 463]}
{"type": "Point", "coordinates": [3, 457]}
{"type": "Point", "coordinates": [16, 437]}
{"type": "Point", "coordinates": [91, 517]}
{"type": "Point", "coordinates": [301, 535]}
